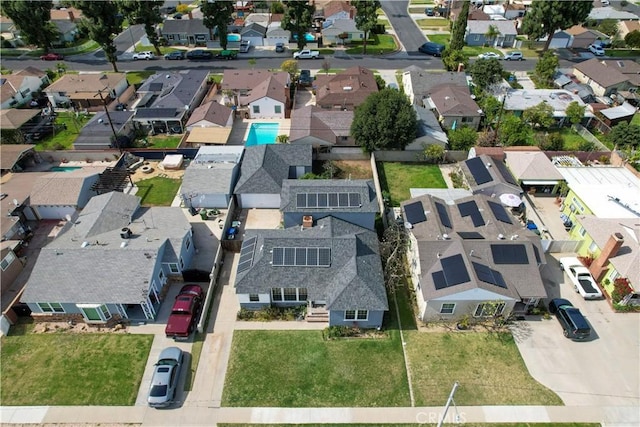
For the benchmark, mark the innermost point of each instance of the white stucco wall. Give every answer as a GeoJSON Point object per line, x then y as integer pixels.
{"type": "Point", "coordinates": [267, 108]}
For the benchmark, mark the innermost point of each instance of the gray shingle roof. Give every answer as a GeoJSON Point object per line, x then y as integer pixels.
{"type": "Point", "coordinates": [184, 26]}
{"type": "Point", "coordinates": [423, 83]}
{"type": "Point", "coordinates": [498, 184]}
{"type": "Point", "coordinates": [105, 212]}
{"type": "Point", "coordinates": [292, 187]}
{"type": "Point", "coordinates": [353, 280]}
{"type": "Point", "coordinates": [265, 167]}
{"type": "Point", "coordinates": [178, 88]}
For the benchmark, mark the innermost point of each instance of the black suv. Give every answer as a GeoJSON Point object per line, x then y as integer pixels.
{"type": "Point", "coordinates": [199, 54]}
{"type": "Point", "coordinates": [573, 322]}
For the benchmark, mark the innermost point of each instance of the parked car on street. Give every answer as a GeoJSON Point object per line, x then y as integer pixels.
{"type": "Point", "coordinates": [429, 11]}
{"type": "Point", "coordinates": [144, 55]}
{"type": "Point", "coordinates": [489, 55]}
{"type": "Point", "coordinates": [199, 54]}
{"type": "Point", "coordinates": [280, 47]}
{"type": "Point", "coordinates": [514, 56]}
{"type": "Point", "coordinates": [581, 278]}
{"type": "Point", "coordinates": [227, 54]}
{"type": "Point", "coordinates": [166, 375]}
{"type": "Point", "coordinates": [175, 55]}
{"type": "Point", "coordinates": [596, 49]}
{"type": "Point", "coordinates": [431, 48]}
{"type": "Point", "coordinates": [574, 325]}
{"type": "Point", "coordinates": [52, 57]}
{"type": "Point", "coordinates": [306, 54]}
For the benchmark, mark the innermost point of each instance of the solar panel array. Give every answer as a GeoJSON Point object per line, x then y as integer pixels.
{"type": "Point", "coordinates": [479, 171]}
{"type": "Point", "coordinates": [328, 200]}
{"type": "Point", "coordinates": [489, 275]}
{"type": "Point", "coordinates": [499, 212]}
{"type": "Point", "coordinates": [246, 254]}
{"type": "Point", "coordinates": [506, 173]}
{"type": "Point", "coordinates": [454, 272]}
{"type": "Point", "coordinates": [443, 214]}
{"type": "Point", "coordinates": [470, 235]}
{"type": "Point", "coordinates": [301, 257]}
{"type": "Point", "coordinates": [471, 209]}
{"type": "Point", "coordinates": [415, 213]}
{"type": "Point", "coordinates": [509, 254]}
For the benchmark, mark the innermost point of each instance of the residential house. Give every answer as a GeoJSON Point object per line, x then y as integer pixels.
{"type": "Point", "coordinates": [345, 90]}
{"type": "Point", "coordinates": [17, 90]}
{"type": "Point", "coordinates": [264, 169]}
{"type": "Point", "coordinates": [276, 34]}
{"type": "Point", "coordinates": [518, 100]}
{"type": "Point", "coordinates": [475, 34]}
{"type": "Point", "coordinates": [166, 100]}
{"type": "Point", "coordinates": [10, 264]}
{"type": "Point", "coordinates": [628, 68]}
{"type": "Point", "coordinates": [97, 134]}
{"type": "Point", "coordinates": [471, 258]}
{"type": "Point", "coordinates": [209, 179]}
{"type": "Point", "coordinates": [454, 107]}
{"type": "Point", "coordinates": [111, 263]}
{"type": "Point", "coordinates": [582, 37]}
{"type": "Point", "coordinates": [57, 195]}
{"type": "Point", "coordinates": [612, 243]}
{"type": "Point", "coordinates": [186, 32]}
{"type": "Point", "coordinates": [16, 157]}
{"type": "Point", "coordinates": [599, 14]}
{"type": "Point", "coordinates": [514, 10]}
{"type": "Point", "coordinates": [263, 93]}
{"type": "Point", "coordinates": [254, 33]}
{"type": "Point", "coordinates": [584, 91]}
{"type": "Point", "coordinates": [306, 201]}
{"type": "Point", "coordinates": [18, 124]}
{"type": "Point", "coordinates": [429, 130]}
{"type": "Point", "coordinates": [341, 32]}
{"type": "Point", "coordinates": [15, 206]}
{"type": "Point", "coordinates": [35, 72]}
{"type": "Point", "coordinates": [333, 267]}
{"type": "Point", "coordinates": [534, 171]}
{"type": "Point", "coordinates": [210, 114]}
{"type": "Point", "coordinates": [320, 127]}
{"type": "Point", "coordinates": [626, 27]}
{"type": "Point", "coordinates": [418, 84]}
{"type": "Point", "coordinates": [620, 113]}
{"type": "Point", "coordinates": [485, 175]}
{"type": "Point", "coordinates": [603, 79]}
{"type": "Point", "coordinates": [86, 90]}
{"type": "Point", "coordinates": [336, 10]}
{"type": "Point", "coordinates": [263, 18]}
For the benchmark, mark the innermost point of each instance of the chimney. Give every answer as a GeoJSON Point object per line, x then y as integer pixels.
{"type": "Point", "coordinates": [307, 221]}
{"type": "Point", "coordinates": [598, 266]}
{"type": "Point", "coordinates": [72, 18]}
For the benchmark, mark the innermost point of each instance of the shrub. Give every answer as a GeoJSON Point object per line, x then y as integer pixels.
{"type": "Point", "coordinates": [621, 288]}
{"type": "Point", "coordinates": [335, 332]}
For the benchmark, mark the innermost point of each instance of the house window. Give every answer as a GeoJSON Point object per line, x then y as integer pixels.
{"type": "Point", "coordinates": [7, 260]}
{"type": "Point", "coordinates": [254, 297]}
{"type": "Point", "coordinates": [187, 243]}
{"type": "Point", "coordinates": [25, 92]}
{"type": "Point", "coordinates": [582, 231]}
{"type": "Point", "coordinates": [276, 294]}
{"type": "Point", "coordinates": [181, 263]}
{"type": "Point", "coordinates": [290, 294]}
{"type": "Point", "coordinates": [173, 267]}
{"type": "Point", "coordinates": [302, 294]}
{"type": "Point", "coordinates": [256, 109]}
{"type": "Point", "coordinates": [277, 109]}
{"type": "Point", "coordinates": [489, 309]}
{"type": "Point", "coordinates": [356, 315]}
{"type": "Point", "coordinates": [447, 308]}
{"type": "Point", "coordinates": [593, 247]}
{"type": "Point", "coordinates": [467, 119]}
{"type": "Point", "coordinates": [94, 313]}
{"type": "Point", "coordinates": [51, 307]}
{"type": "Point", "coordinates": [476, 37]}
{"type": "Point", "coordinates": [169, 36]}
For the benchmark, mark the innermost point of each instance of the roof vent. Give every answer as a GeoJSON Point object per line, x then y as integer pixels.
{"type": "Point", "coordinates": [125, 233]}
{"type": "Point", "coordinates": [514, 237]}
{"type": "Point", "coordinates": [84, 244]}
{"type": "Point", "coordinates": [445, 236]}
{"type": "Point", "coordinates": [501, 237]}
{"type": "Point", "coordinates": [123, 244]}
{"type": "Point", "coordinates": [347, 88]}
{"type": "Point", "coordinates": [100, 121]}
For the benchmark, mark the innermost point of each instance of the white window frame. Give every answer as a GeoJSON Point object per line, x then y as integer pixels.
{"type": "Point", "coordinates": [7, 260]}
{"type": "Point", "coordinates": [47, 307]}
{"type": "Point", "coordinates": [256, 109]}
{"type": "Point", "coordinates": [254, 298]}
{"type": "Point", "coordinates": [582, 232]}
{"type": "Point", "coordinates": [500, 309]}
{"type": "Point", "coordinates": [277, 109]}
{"type": "Point", "coordinates": [278, 295]}
{"type": "Point", "coordinates": [448, 310]}
{"type": "Point", "coordinates": [593, 247]}
{"type": "Point", "coordinates": [173, 268]}
{"type": "Point", "coordinates": [101, 309]}
{"type": "Point", "coordinates": [356, 315]}
{"type": "Point", "coordinates": [187, 243]}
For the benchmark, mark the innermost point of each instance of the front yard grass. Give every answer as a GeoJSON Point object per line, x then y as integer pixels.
{"type": "Point", "coordinates": [157, 191]}
{"type": "Point", "coordinates": [71, 369]}
{"type": "Point", "coordinates": [488, 367]}
{"type": "Point", "coordinates": [397, 178]}
{"type": "Point", "coordinates": [137, 77]}
{"type": "Point", "coordinates": [469, 51]}
{"type": "Point", "coordinates": [63, 139]}
{"type": "Point", "coordinates": [622, 53]}
{"type": "Point", "coordinates": [301, 369]}
{"type": "Point", "coordinates": [428, 23]}
{"type": "Point", "coordinates": [378, 44]}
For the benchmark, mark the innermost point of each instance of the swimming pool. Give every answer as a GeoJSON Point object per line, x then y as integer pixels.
{"type": "Point", "coordinates": [262, 133]}
{"type": "Point", "coordinates": [307, 37]}
{"type": "Point", "coordinates": [233, 37]}
{"type": "Point", "coordinates": [64, 168]}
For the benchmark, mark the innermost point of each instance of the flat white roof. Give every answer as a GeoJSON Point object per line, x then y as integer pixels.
{"type": "Point", "coordinates": [558, 99]}
{"type": "Point", "coordinates": [596, 186]}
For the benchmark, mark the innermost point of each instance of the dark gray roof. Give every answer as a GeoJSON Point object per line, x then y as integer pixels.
{"type": "Point", "coordinates": [253, 28]}
{"type": "Point", "coordinates": [186, 26]}
{"type": "Point", "coordinates": [158, 113]}
{"type": "Point", "coordinates": [265, 167]}
{"type": "Point", "coordinates": [98, 130]}
{"type": "Point", "coordinates": [178, 88]}
{"type": "Point", "coordinates": [354, 279]}
{"type": "Point", "coordinates": [501, 179]}
{"type": "Point", "coordinates": [423, 83]}
{"type": "Point", "coordinates": [292, 187]}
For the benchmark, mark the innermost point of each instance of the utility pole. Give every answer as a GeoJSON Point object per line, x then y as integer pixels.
{"type": "Point", "coordinates": [113, 130]}
{"type": "Point", "coordinates": [449, 401]}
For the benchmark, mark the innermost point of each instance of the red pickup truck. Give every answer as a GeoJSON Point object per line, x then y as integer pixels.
{"type": "Point", "coordinates": [185, 312]}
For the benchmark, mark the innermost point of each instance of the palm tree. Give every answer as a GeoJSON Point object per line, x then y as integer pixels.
{"type": "Point", "coordinates": [491, 35]}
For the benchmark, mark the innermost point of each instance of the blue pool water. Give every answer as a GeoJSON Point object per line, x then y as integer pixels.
{"type": "Point", "coordinates": [308, 37]}
{"type": "Point", "coordinates": [233, 37]}
{"type": "Point", "coordinates": [262, 133]}
{"type": "Point", "coordinates": [64, 168]}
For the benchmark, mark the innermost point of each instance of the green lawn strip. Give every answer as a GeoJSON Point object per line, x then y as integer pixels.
{"type": "Point", "coordinates": [301, 369]}
{"type": "Point", "coordinates": [137, 77]}
{"type": "Point", "coordinates": [488, 367]}
{"type": "Point", "coordinates": [63, 139]}
{"type": "Point", "coordinates": [157, 191]}
{"type": "Point", "coordinates": [432, 23]}
{"type": "Point", "coordinates": [72, 369]}
{"type": "Point", "coordinates": [397, 178]}
{"type": "Point", "coordinates": [572, 140]}
{"type": "Point", "coordinates": [622, 53]}
{"type": "Point", "coordinates": [412, 2]}
{"type": "Point", "coordinates": [377, 45]}
{"type": "Point", "coordinates": [163, 141]}
{"type": "Point", "coordinates": [419, 425]}
{"type": "Point", "coordinates": [472, 51]}
{"type": "Point", "coordinates": [636, 119]}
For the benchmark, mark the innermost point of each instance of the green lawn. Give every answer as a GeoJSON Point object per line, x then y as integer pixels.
{"type": "Point", "coordinates": [572, 140]}
{"type": "Point", "coordinates": [137, 77]}
{"type": "Point", "coordinates": [397, 178]}
{"type": "Point", "coordinates": [71, 369]}
{"type": "Point", "coordinates": [162, 141]}
{"type": "Point", "coordinates": [63, 139]}
{"type": "Point", "coordinates": [158, 191]}
{"type": "Point", "coordinates": [636, 119]}
{"type": "Point", "coordinates": [622, 53]}
{"type": "Point", "coordinates": [301, 369]}
{"type": "Point", "coordinates": [469, 51]}
{"type": "Point", "coordinates": [432, 23]}
{"type": "Point", "coordinates": [377, 45]}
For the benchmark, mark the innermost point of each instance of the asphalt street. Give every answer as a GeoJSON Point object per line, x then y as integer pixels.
{"type": "Point", "coordinates": [404, 26]}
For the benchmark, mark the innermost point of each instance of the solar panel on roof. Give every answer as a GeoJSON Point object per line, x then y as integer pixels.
{"type": "Point", "coordinates": [537, 254]}
{"type": "Point", "coordinates": [322, 200]}
{"type": "Point", "coordinates": [354, 199]}
{"type": "Point", "coordinates": [333, 200]}
{"type": "Point", "coordinates": [155, 87]}
{"type": "Point", "coordinates": [278, 256]}
{"type": "Point", "coordinates": [443, 214]}
{"type": "Point", "coordinates": [471, 209]}
{"type": "Point", "coordinates": [246, 254]}
{"type": "Point", "coordinates": [415, 213]}
{"type": "Point", "coordinates": [509, 254]}
{"type": "Point", "coordinates": [312, 256]}
{"type": "Point", "coordinates": [506, 173]}
{"type": "Point", "coordinates": [301, 256]}
{"type": "Point", "coordinates": [499, 212]}
{"type": "Point", "coordinates": [479, 171]}
{"type": "Point", "coordinates": [324, 257]}
{"type": "Point", "coordinates": [489, 275]}
{"type": "Point", "coordinates": [470, 235]}
{"type": "Point", "coordinates": [438, 279]}
{"type": "Point", "coordinates": [455, 272]}
{"type": "Point", "coordinates": [289, 256]}
{"type": "Point", "coordinates": [343, 199]}
{"type": "Point", "coordinates": [312, 200]}
{"type": "Point", "coordinates": [301, 200]}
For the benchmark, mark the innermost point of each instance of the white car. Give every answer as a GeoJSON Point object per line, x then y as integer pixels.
{"type": "Point", "coordinates": [581, 279]}
{"type": "Point", "coordinates": [143, 55]}
{"type": "Point", "coordinates": [245, 45]}
{"type": "Point", "coordinates": [489, 55]}
{"type": "Point", "coordinates": [596, 49]}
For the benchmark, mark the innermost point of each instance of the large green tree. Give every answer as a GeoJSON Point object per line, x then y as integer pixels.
{"type": "Point", "coordinates": [512, 131]}
{"type": "Point", "coordinates": [33, 19]}
{"type": "Point", "coordinates": [103, 22]}
{"type": "Point", "coordinates": [385, 121]}
{"type": "Point", "coordinates": [575, 112]}
{"type": "Point", "coordinates": [623, 134]}
{"type": "Point", "coordinates": [459, 28]}
{"type": "Point", "coordinates": [486, 72]}
{"type": "Point", "coordinates": [539, 116]}
{"type": "Point", "coordinates": [366, 18]}
{"type": "Point", "coordinates": [297, 19]}
{"type": "Point", "coordinates": [545, 17]}
{"type": "Point", "coordinates": [462, 138]}
{"type": "Point", "coordinates": [451, 59]}
{"type": "Point", "coordinates": [545, 70]}
{"type": "Point", "coordinates": [632, 39]}
{"type": "Point", "coordinates": [146, 12]}
{"type": "Point", "coordinates": [491, 107]}
{"type": "Point", "coordinates": [217, 14]}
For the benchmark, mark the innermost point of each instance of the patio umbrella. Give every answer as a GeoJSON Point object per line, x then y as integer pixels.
{"type": "Point", "coordinates": [511, 200]}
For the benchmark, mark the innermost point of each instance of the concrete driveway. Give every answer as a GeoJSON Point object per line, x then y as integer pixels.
{"type": "Point", "coordinates": [604, 370]}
